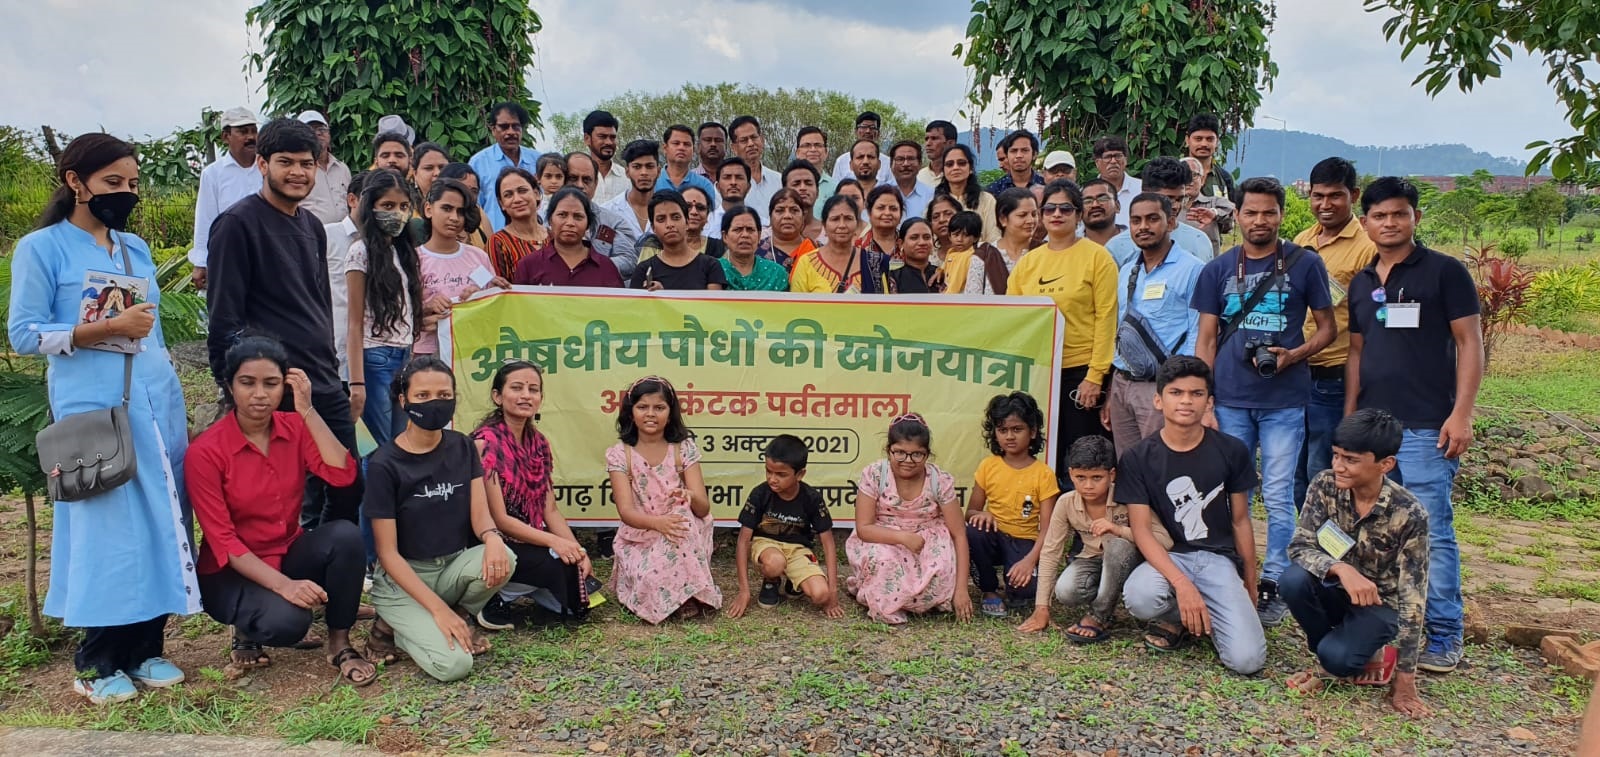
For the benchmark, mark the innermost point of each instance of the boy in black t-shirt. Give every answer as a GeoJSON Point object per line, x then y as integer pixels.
{"type": "Point", "coordinates": [1196, 481]}
{"type": "Point", "coordinates": [780, 521]}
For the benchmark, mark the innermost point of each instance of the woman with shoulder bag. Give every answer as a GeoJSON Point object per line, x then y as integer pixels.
{"type": "Point", "coordinates": [121, 558]}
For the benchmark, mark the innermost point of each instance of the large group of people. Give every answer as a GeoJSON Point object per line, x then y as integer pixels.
{"type": "Point", "coordinates": [1346, 361]}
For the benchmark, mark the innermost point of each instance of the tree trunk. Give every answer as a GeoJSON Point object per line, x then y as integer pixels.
{"type": "Point", "coordinates": [35, 622]}
{"type": "Point", "coordinates": [50, 144]}
{"type": "Point", "coordinates": [1539, 231]}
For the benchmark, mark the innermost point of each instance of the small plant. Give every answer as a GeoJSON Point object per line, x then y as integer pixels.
{"type": "Point", "coordinates": [1515, 245]}
{"type": "Point", "coordinates": [1556, 296]}
{"type": "Point", "coordinates": [1502, 293]}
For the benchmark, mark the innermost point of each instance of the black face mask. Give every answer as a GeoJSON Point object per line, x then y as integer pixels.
{"type": "Point", "coordinates": [433, 414]}
{"type": "Point", "coordinates": [113, 208]}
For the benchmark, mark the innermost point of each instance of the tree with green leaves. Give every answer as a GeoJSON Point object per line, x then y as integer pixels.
{"type": "Point", "coordinates": [440, 65]}
{"type": "Point", "coordinates": [1542, 207]}
{"type": "Point", "coordinates": [1138, 69]}
{"type": "Point", "coordinates": [1468, 41]}
{"type": "Point", "coordinates": [782, 112]}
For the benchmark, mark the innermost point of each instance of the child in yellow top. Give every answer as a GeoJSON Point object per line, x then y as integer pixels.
{"type": "Point", "coordinates": [1011, 503]}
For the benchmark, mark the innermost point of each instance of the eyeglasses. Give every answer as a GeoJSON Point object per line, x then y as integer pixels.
{"type": "Point", "coordinates": [748, 139]}
{"type": "Point", "coordinates": [1051, 208]}
{"type": "Point", "coordinates": [1113, 157]}
{"type": "Point", "coordinates": [319, 129]}
{"type": "Point", "coordinates": [1099, 200]}
{"type": "Point", "coordinates": [697, 206]}
{"type": "Point", "coordinates": [508, 127]}
{"type": "Point", "coordinates": [902, 456]}
{"type": "Point", "coordinates": [866, 127]}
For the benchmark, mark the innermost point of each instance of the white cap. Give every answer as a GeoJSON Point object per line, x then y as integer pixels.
{"type": "Point", "coordinates": [397, 124]}
{"type": "Point", "coordinates": [238, 117]}
{"type": "Point", "coordinates": [312, 117]}
{"type": "Point", "coordinates": [1058, 157]}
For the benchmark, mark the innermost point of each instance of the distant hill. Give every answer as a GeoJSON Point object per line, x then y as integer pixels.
{"type": "Point", "coordinates": [1269, 152]}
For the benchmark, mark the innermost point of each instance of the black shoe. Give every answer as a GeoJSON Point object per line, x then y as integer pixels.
{"type": "Point", "coordinates": [497, 615]}
{"type": "Point", "coordinates": [1270, 607]}
{"type": "Point", "coordinates": [769, 596]}
{"type": "Point", "coordinates": [790, 590]}
{"type": "Point", "coordinates": [602, 544]}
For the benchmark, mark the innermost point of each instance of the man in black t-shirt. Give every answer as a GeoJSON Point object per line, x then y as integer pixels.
{"type": "Point", "coordinates": [782, 519]}
{"type": "Point", "coordinates": [1196, 481]}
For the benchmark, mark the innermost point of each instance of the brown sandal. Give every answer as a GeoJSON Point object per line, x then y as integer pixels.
{"type": "Point", "coordinates": [381, 645]}
{"type": "Point", "coordinates": [348, 662]}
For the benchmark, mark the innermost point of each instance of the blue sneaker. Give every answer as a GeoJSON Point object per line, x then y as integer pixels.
{"type": "Point", "coordinates": [1442, 655]}
{"type": "Point", "coordinates": [113, 688]}
{"type": "Point", "coordinates": [157, 673]}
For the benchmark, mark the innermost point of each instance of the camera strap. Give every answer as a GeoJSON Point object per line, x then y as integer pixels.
{"type": "Point", "coordinates": [1260, 293]}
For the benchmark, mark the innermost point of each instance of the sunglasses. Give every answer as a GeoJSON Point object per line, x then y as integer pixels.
{"type": "Point", "coordinates": [1051, 208]}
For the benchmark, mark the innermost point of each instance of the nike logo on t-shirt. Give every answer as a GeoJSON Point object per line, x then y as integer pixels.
{"type": "Point", "coordinates": [1043, 281]}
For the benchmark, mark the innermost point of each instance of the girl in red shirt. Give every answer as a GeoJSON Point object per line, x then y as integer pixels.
{"type": "Point", "coordinates": [246, 475]}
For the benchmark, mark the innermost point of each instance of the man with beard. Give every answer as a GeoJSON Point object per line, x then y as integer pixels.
{"type": "Point", "coordinates": [1100, 209]}
{"type": "Point", "coordinates": [327, 198]}
{"type": "Point", "coordinates": [392, 150]}
{"type": "Point", "coordinates": [227, 180]}
{"type": "Point", "coordinates": [733, 182]}
{"type": "Point", "coordinates": [712, 146]}
{"type": "Point", "coordinates": [864, 164]}
{"type": "Point", "coordinates": [642, 159]}
{"type": "Point", "coordinates": [905, 158]}
{"type": "Point", "coordinates": [1154, 321]}
{"type": "Point", "coordinates": [1168, 177]}
{"type": "Point", "coordinates": [268, 275]}
{"type": "Point", "coordinates": [613, 234]}
{"type": "Point", "coordinates": [1253, 301]}
{"type": "Point", "coordinates": [600, 136]}
{"type": "Point", "coordinates": [811, 145]}
{"type": "Point", "coordinates": [1201, 140]}
{"type": "Point", "coordinates": [1017, 151]}
{"type": "Point", "coordinates": [868, 127]}
{"type": "Point", "coordinates": [749, 143]}
{"type": "Point", "coordinates": [508, 121]}
{"type": "Point", "coordinates": [938, 136]}
{"type": "Point", "coordinates": [1111, 159]}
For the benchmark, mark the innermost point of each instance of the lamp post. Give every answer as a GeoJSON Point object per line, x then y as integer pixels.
{"type": "Point", "coordinates": [1283, 145]}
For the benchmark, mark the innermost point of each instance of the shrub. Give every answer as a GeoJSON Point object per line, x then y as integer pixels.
{"type": "Point", "coordinates": [1586, 220]}
{"type": "Point", "coordinates": [1297, 216]}
{"type": "Point", "coordinates": [1515, 245]}
{"type": "Point", "coordinates": [1556, 296]}
{"type": "Point", "coordinates": [1502, 293]}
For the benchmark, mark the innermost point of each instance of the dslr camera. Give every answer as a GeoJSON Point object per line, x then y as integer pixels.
{"type": "Point", "coordinates": [1257, 350]}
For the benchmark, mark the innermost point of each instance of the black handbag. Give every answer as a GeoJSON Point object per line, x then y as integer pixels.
{"type": "Point", "coordinates": [90, 453]}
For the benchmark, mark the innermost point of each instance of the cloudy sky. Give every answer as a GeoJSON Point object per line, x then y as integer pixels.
{"type": "Point", "coordinates": [148, 67]}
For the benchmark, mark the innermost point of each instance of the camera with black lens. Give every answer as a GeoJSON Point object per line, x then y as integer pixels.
{"type": "Point", "coordinates": [1258, 350]}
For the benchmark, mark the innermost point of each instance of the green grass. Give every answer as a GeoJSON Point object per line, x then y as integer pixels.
{"type": "Point", "coordinates": [1568, 589]}
{"type": "Point", "coordinates": [339, 716]}
{"type": "Point", "coordinates": [1504, 558]}
{"type": "Point", "coordinates": [1561, 381]}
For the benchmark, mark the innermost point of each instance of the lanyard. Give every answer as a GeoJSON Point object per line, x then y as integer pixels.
{"type": "Point", "coordinates": [1277, 264]}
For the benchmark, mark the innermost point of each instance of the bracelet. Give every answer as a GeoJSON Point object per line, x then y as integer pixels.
{"type": "Point", "coordinates": [356, 383]}
{"type": "Point", "coordinates": [494, 531]}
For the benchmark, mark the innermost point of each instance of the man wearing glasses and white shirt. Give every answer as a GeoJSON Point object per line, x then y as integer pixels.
{"type": "Point", "coordinates": [229, 179]}
{"type": "Point", "coordinates": [1111, 159]}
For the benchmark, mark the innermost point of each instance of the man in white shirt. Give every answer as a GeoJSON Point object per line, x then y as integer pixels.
{"type": "Point", "coordinates": [905, 157]}
{"type": "Point", "coordinates": [340, 234]}
{"type": "Point", "coordinates": [749, 144]}
{"type": "Point", "coordinates": [642, 158]}
{"type": "Point", "coordinates": [1111, 158]}
{"type": "Point", "coordinates": [600, 136]}
{"type": "Point", "coordinates": [868, 128]}
{"type": "Point", "coordinates": [327, 198]}
{"type": "Point", "coordinates": [229, 179]}
{"type": "Point", "coordinates": [811, 146]}
{"type": "Point", "coordinates": [938, 136]}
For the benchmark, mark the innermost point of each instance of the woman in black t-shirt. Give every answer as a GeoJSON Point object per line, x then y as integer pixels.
{"type": "Point", "coordinates": [677, 265]}
{"type": "Point", "coordinates": [440, 556]}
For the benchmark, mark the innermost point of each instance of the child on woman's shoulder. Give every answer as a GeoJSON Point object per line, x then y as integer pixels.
{"type": "Point", "coordinates": [780, 522]}
{"type": "Point", "coordinates": [663, 549]}
{"type": "Point", "coordinates": [1011, 503]}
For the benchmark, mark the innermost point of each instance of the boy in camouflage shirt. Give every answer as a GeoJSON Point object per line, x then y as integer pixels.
{"type": "Point", "coordinates": [1359, 578]}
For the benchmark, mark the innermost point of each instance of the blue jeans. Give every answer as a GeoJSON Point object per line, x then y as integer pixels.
{"type": "Point", "coordinates": [382, 410]}
{"type": "Point", "coordinates": [1323, 414]}
{"type": "Point", "coordinates": [1278, 434]}
{"type": "Point", "coordinates": [1428, 474]}
{"type": "Point", "coordinates": [1235, 628]}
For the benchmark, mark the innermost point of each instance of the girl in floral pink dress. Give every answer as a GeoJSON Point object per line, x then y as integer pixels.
{"type": "Point", "coordinates": [662, 563]}
{"type": "Point", "coordinates": [909, 549]}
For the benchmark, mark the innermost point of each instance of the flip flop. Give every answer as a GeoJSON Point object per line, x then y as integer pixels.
{"type": "Point", "coordinates": [1175, 639]}
{"type": "Point", "coordinates": [1079, 633]}
{"type": "Point", "coordinates": [1380, 670]}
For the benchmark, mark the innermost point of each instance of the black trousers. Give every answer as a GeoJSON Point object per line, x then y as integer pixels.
{"type": "Point", "coordinates": [330, 555]}
{"type": "Point", "coordinates": [1343, 637]}
{"type": "Point", "coordinates": [1074, 423]}
{"type": "Point", "coordinates": [108, 649]}
{"type": "Point", "coordinates": [322, 502]}
{"type": "Point", "coordinates": [538, 568]}
{"type": "Point", "coordinates": [996, 549]}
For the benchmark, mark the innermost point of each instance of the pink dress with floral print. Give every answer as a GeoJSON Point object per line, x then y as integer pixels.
{"type": "Point", "coordinates": [652, 576]}
{"type": "Point", "coordinates": [888, 578]}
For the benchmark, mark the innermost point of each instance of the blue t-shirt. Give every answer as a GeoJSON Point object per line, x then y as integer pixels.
{"type": "Point", "coordinates": [1281, 315]}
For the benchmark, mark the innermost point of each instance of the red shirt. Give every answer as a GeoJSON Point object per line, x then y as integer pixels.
{"type": "Point", "coordinates": [545, 266]}
{"type": "Point", "coordinates": [248, 502]}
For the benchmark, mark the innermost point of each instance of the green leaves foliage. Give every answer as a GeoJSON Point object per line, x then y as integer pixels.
{"type": "Point", "coordinates": [437, 63]}
{"type": "Point", "coordinates": [645, 115]}
{"type": "Point", "coordinates": [1138, 69]}
{"type": "Point", "coordinates": [1466, 42]}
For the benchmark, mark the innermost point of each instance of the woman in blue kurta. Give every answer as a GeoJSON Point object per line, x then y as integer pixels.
{"type": "Point", "coordinates": [121, 561]}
